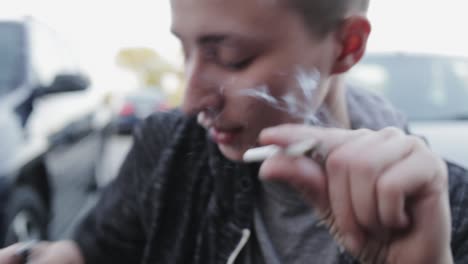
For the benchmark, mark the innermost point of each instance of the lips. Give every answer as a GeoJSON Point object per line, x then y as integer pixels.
{"type": "Point", "coordinates": [221, 134]}
{"type": "Point", "coordinates": [224, 136]}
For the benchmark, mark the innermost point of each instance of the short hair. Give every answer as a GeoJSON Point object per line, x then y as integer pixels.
{"type": "Point", "coordinates": [322, 16]}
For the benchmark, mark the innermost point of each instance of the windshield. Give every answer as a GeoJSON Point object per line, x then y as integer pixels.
{"type": "Point", "coordinates": [11, 56]}
{"type": "Point", "coordinates": [423, 87]}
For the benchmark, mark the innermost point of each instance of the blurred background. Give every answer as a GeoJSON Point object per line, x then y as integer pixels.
{"type": "Point", "coordinates": [77, 75]}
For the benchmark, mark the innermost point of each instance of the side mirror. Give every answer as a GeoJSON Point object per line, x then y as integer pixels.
{"type": "Point", "coordinates": [66, 83]}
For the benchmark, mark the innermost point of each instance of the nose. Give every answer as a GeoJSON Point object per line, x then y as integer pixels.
{"type": "Point", "coordinates": [202, 91]}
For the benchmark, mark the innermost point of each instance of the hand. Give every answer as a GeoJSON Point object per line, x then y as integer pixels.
{"type": "Point", "coordinates": [62, 252]}
{"type": "Point", "coordinates": [8, 255]}
{"type": "Point", "coordinates": [383, 195]}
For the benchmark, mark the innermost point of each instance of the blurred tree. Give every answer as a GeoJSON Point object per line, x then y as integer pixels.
{"type": "Point", "coordinates": [151, 70]}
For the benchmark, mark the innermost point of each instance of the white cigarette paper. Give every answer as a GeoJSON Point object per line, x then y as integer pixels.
{"type": "Point", "coordinates": [261, 153]}
{"type": "Point", "coordinates": [297, 149]}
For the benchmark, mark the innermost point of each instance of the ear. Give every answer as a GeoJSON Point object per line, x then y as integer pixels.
{"type": "Point", "coordinates": [352, 39]}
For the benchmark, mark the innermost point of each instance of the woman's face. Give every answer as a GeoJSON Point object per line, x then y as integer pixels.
{"type": "Point", "coordinates": [246, 67]}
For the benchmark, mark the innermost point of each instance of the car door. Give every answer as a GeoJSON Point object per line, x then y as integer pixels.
{"type": "Point", "coordinates": [66, 119]}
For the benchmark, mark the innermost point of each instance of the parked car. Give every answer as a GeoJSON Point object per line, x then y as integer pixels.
{"type": "Point", "coordinates": [45, 108]}
{"type": "Point", "coordinates": [431, 89]}
{"type": "Point", "coordinates": [136, 106]}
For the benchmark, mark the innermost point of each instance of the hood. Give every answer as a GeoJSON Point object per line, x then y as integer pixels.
{"type": "Point", "coordinates": [368, 110]}
{"type": "Point", "coordinates": [446, 138]}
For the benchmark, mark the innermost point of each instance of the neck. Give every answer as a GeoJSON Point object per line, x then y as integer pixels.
{"type": "Point", "coordinates": [336, 104]}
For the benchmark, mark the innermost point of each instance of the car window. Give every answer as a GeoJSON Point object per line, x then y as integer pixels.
{"type": "Point", "coordinates": [424, 87]}
{"type": "Point", "coordinates": [12, 56]}
{"type": "Point", "coordinates": [50, 55]}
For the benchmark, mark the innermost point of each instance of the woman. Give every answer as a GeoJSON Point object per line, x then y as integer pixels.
{"type": "Point", "coordinates": [185, 196]}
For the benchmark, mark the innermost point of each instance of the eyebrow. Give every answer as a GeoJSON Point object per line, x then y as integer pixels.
{"type": "Point", "coordinates": [210, 38]}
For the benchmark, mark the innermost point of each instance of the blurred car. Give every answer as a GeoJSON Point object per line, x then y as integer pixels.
{"type": "Point", "coordinates": [431, 89]}
{"type": "Point", "coordinates": [47, 113]}
{"type": "Point", "coordinates": [136, 106]}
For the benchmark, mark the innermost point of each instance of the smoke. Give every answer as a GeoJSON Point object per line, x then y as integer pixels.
{"type": "Point", "coordinates": [300, 100]}
{"type": "Point", "coordinates": [308, 84]}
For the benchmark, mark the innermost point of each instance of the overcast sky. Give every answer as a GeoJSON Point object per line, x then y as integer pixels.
{"type": "Point", "coordinates": [99, 28]}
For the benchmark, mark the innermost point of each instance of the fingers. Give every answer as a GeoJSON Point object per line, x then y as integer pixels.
{"type": "Point", "coordinates": [350, 189]}
{"type": "Point", "coordinates": [39, 254]}
{"type": "Point", "coordinates": [353, 170]}
{"type": "Point", "coordinates": [341, 206]}
{"type": "Point", "coordinates": [417, 187]}
{"type": "Point", "coordinates": [377, 152]}
{"type": "Point", "coordinates": [365, 183]}
{"type": "Point", "coordinates": [411, 176]}
{"type": "Point", "coordinates": [285, 135]}
{"type": "Point", "coordinates": [306, 176]}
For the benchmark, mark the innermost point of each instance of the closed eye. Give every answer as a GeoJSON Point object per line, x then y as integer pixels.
{"type": "Point", "coordinates": [239, 65]}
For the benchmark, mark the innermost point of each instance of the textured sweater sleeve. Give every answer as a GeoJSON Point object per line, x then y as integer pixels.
{"type": "Point", "coordinates": [113, 231]}
{"type": "Point", "coordinates": [459, 207]}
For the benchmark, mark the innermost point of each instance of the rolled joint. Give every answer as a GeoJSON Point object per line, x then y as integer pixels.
{"type": "Point", "coordinates": [303, 148]}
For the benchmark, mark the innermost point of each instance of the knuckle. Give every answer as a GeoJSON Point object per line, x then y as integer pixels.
{"type": "Point", "coordinates": [387, 188]}
{"type": "Point", "coordinates": [362, 132]}
{"type": "Point", "coordinates": [441, 172]}
{"type": "Point", "coordinates": [336, 162]}
{"type": "Point", "coordinates": [417, 142]}
{"type": "Point", "coordinates": [364, 166]}
{"type": "Point", "coordinates": [360, 165]}
{"type": "Point", "coordinates": [432, 156]}
{"type": "Point", "coordinates": [392, 132]}
{"type": "Point", "coordinates": [444, 169]}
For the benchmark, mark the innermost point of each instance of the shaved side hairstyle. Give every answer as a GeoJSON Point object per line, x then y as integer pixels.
{"type": "Point", "coordinates": [322, 16]}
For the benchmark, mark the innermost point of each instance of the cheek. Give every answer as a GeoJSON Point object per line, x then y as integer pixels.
{"type": "Point", "coordinates": [271, 99]}
{"type": "Point", "coordinates": [270, 95]}
{"type": "Point", "coordinates": [260, 115]}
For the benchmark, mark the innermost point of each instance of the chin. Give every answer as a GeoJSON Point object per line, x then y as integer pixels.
{"type": "Point", "coordinates": [232, 153]}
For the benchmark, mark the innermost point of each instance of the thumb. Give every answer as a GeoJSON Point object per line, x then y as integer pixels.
{"type": "Point", "coordinates": [303, 174]}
